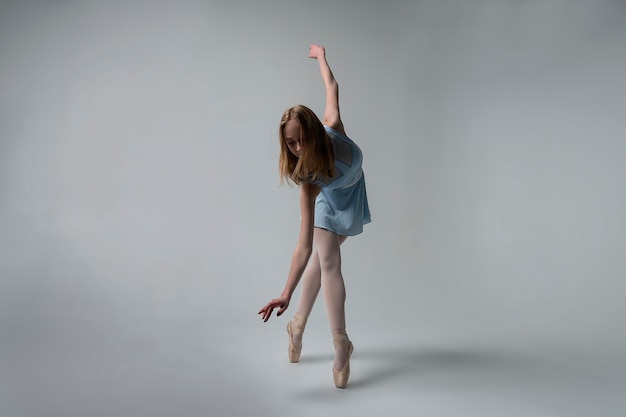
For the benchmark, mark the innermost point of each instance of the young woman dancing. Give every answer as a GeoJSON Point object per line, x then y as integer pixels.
{"type": "Point", "coordinates": [326, 164]}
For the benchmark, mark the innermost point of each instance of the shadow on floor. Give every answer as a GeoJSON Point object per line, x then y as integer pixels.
{"type": "Point", "coordinates": [552, 381]}
{"type": "Point", "coordinates": [394, 364]}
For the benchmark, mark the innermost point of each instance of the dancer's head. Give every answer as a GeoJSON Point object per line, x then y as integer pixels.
{"type": "Point", "coordinates": [305, 150]}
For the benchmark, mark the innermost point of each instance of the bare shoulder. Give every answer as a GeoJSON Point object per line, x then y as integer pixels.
{"type": "Point", "coordinates": [336, 125]}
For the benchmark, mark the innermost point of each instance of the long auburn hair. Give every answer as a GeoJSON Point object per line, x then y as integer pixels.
{"type": "Point", "coordinates": [317, 156]}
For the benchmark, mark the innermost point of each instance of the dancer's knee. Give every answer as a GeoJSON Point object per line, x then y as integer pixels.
{"type": "Point", "coordinates": [328, 250]}
{"type": "Point", "coordinates": [330, 262]}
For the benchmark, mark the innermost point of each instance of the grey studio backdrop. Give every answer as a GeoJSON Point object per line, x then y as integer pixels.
{"type": "Point", "coordinates": [142, 225]}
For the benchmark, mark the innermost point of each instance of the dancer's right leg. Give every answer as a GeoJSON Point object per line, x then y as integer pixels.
{"type": "Point", "coordinates": [311, 284]}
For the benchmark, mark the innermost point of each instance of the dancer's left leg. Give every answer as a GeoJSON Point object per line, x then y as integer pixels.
{"type": "Point", "coordinates": [334, 290]}
{"type": "Point", "coordinates": [311, 284]}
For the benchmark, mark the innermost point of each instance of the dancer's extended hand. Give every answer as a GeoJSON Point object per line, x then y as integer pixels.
{"type": "Point", "coordinates": [316, 51]}
{"type": "Point", "coordinates": [281, 303]}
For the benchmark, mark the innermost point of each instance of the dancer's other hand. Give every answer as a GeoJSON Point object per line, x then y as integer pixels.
{"type": "Point", "coordinates": [281, 303]}
{"type": "Point", "coordinates": [316, 51]}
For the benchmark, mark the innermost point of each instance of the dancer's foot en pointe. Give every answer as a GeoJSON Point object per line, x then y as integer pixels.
{"type": "Point", "coordinates": [343, 350]}
{"type": "Point", "coordinates": [295, 328]}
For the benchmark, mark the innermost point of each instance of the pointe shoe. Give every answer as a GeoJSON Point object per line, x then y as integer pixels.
{"type": "Point", "coordinates": [341, 376]}
{"type": "Point", "coordinates": [294, 353]}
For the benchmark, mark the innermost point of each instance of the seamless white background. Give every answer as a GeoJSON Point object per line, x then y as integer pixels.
{"type": "Point", "coordinates": [142, 225]}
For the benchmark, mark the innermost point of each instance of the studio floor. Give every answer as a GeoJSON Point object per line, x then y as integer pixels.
{"type": "Point", "coordinates": [189, 368]}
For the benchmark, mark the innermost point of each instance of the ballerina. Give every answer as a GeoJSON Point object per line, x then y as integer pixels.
{"type": "Point", "coordinates": [326, 164]}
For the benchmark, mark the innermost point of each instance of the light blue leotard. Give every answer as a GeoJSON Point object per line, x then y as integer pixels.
{"type": "Point", "coordinates": [341, 206]}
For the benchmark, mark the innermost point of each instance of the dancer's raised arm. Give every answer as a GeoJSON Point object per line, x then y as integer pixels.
{"type": "Point", "coordinates": [331, 111]}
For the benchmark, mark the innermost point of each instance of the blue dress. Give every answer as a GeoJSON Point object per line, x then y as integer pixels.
{"type": "Point", "coordinates": [341, 206]}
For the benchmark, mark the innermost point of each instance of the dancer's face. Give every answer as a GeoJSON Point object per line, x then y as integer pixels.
{"type": "Point", "coordinates": [292, 137]}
